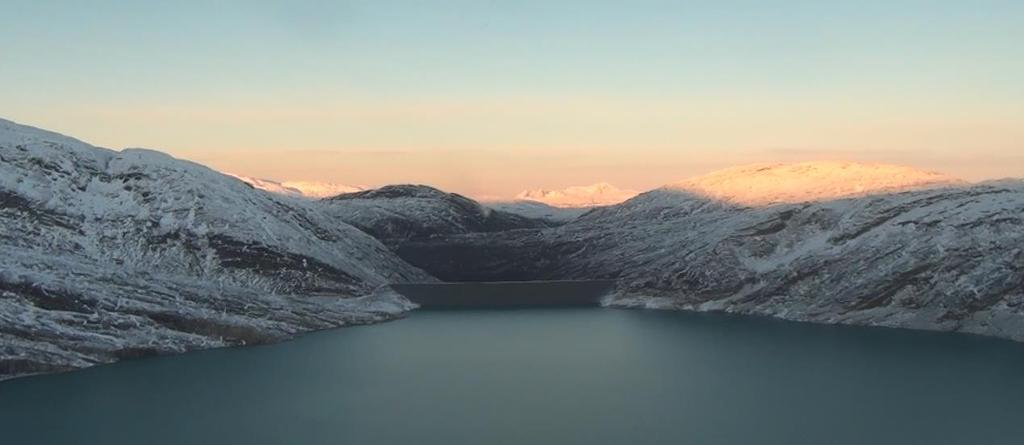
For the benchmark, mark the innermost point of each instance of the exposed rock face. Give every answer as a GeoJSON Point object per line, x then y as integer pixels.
{"type": "Point", "coordinates": [397, 213]}
{"type": "Point", "coordinates": [111, 254]}
{"type": "Point", "coordinates": [937, 255]}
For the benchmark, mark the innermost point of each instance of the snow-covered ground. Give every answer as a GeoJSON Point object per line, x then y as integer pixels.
{"type": "Point", "coordinates": [108, 254]}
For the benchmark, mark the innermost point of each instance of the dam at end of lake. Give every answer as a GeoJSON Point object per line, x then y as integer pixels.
{"type": "Point", "coordinates": [511, 294]}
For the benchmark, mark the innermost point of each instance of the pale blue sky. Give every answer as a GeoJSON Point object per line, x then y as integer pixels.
{"type": "Point", "coordinates": [500, 86]}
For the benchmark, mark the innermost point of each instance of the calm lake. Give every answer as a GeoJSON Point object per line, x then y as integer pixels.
{"type": "Point", "coordinates": [545, 376]}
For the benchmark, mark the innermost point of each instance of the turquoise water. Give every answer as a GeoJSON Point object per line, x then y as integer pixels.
{"type": "Point", "coordinates": [545, 376]}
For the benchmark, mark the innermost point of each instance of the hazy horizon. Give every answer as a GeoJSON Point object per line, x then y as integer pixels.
{"type": "Point", "coordinates": [488, 100]}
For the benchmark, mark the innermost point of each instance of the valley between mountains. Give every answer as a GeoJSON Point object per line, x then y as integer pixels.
{"type": "Point", "coordinates": [109, 254]}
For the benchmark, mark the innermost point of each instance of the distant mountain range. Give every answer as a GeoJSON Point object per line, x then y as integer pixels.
{"type": "Point", "coordinates": [600, 194]}
{"type": "Point", "coordinates": [549, 205]}
{"type": "Point", "coordinates": [304, 189]}
{"type": "Point", "coordinates": [559, 206]}
{"type": "Point", "coordinates": [112, 254]}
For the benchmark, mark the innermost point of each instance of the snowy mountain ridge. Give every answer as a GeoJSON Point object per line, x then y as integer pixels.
{"type": "Point", "coordinates": [599, 194]}
{"type": "Point", "coordinates": [320, 189]}
{"type": "Point", "coordinates": [766, 184]}
{"type": "Point", "coordinates": [304, 189]}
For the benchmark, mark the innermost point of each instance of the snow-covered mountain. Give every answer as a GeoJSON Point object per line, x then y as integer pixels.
{"type": "Point", "coordinates": [401, 212]}
{"type": "Point", "coordinates": [319, 189]}
{"type": "Point", "coordinates": [600, 194]}
{"type": "Point", "coordinates": [765, 184]}
{"type": "Point", "coordinates": [943, 258]}
{"type": "Point", "coordinates": [897, 248]}
{"type": "Point", "coordinates": [111, 254]}
{"type": "Point", "coordinates": [538, 210]}
{"type": "Point", "coordinates": [267, 185]}
{"type": "Point", "coordinates": [306, 189]}
{"type": "Point", "coordinates": [560, 206]}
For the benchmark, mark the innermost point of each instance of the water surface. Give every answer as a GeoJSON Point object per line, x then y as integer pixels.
{"type": "Point", "coordinates": [545, 376]}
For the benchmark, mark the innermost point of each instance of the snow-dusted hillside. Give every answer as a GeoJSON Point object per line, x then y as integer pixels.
{"type": "Point", "coordinates": [600, 194]}
{"type": "Point", "coordinates": [916, 250]}
{"type": "Point", "coordinates": [306, 189]}
{"type": "Point", "coordinates": [929, 254]}
{"type": "Point", "coordinates": [112, 254]}
{"type": "Point", "coordinates": [401, 212]}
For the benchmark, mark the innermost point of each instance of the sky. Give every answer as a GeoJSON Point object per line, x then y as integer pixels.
{"type": "Point", "coordinates": [488, 98]}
